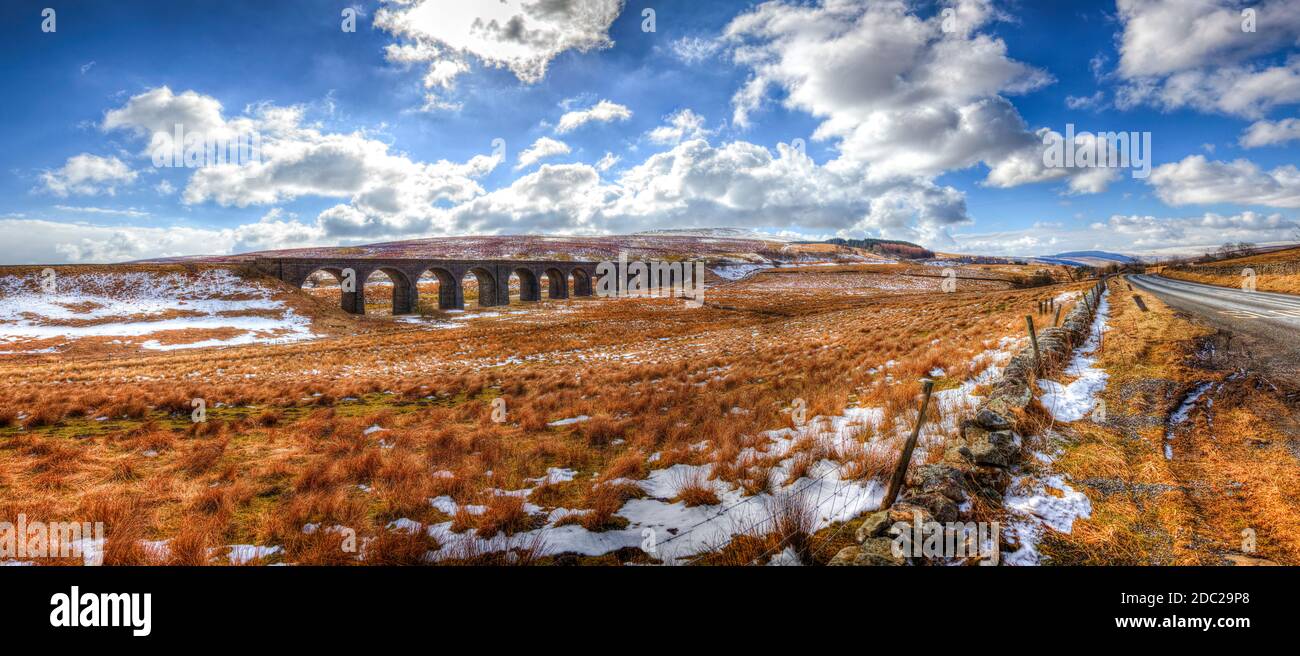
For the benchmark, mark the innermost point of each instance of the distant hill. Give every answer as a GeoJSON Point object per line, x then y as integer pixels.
{"type": "Point", "coordinates": [890, 247]}
{"type": "Point", "coordinates": [1097, 259]}
{"type": "Point", "coordinates": [1098, 255]}
{"type": "Point", "coordinates": [713, 246]}
{"type": "Point", "coordinates": [715, 233]}
{"type": "Point", "coordinates": [1263, 255]}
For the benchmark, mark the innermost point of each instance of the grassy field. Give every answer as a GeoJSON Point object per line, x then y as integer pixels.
{"type": "Point", "coordinates": [1275, 271]}
{"type": "Point", "coordinates": [1175, 476]}
{"type": "Point", "coordinates": [360, 429]}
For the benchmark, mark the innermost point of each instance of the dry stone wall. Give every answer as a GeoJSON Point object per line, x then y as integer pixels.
{"type": "Point", "coordinates": [990, 445]}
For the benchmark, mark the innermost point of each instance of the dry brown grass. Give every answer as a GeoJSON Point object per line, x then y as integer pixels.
{"type": "Point", "coordinates": [284, 442]}
{"type": "Point", "coordinates": [694, 490]}
{"type": "Point", "coordinates": [1228, 273]}
{"type": "Point", "coordinates": [1190, 509]}
{"type": "Point", "coordinates": [1285, 284]}
{"type": "Point", "coordinates": [787, 522]}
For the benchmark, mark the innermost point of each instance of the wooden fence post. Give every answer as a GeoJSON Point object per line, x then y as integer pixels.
{"type": "Point", "coordinates": [900, 470]}
{"type": "Point", "coordinates": [1058, 317]}
{"type": "Point", "coordinates": [1033, 339]}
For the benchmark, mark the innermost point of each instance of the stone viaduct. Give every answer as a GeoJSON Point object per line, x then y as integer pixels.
{"type": "Point", "coordinates": [493, 278]}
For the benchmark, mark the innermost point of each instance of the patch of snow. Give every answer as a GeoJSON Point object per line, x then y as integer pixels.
{"type": "Point", "coordinates": [1075, 400]}
{"type": "Point", "coordinates": [133, 304]}
{"type": "Point", "coordinates": [1034, 497]}
{"type": "Point", "coordinates": [158, 549]}
{"type": "Point", "coordinates": [1181, 415]}
{"type": "Point", "coordinates": [90, 549]}
{"type": "Point", "coordinates": [241, 554]}
{"type": "Point", "coordinates": [555, 475]}
{"type": "Point", "coordinates": [678, 532]}
{"type": "Point", "coordinates": [571, 420]}
{"type": "Point", "coordinates": [1038, 507]}
{"type": "Point", "coordinates": [785, 558]}
{"type": "Point", "coordinates": [733, 272]}
{"type": "Point", "coordinates": [449, 506]}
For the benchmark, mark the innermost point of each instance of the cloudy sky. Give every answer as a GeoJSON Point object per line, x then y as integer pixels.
{"type": "Point", "coordinates": [915, 120]}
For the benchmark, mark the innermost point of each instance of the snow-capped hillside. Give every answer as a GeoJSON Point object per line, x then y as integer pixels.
{"type": "Point", "coordinates": [714, 233]}
{"type": "Point", "coordinates": [718, 246]}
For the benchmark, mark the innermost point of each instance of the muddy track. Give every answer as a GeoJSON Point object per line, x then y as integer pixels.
{"type": "Point", "coordinates": [1204, 489]}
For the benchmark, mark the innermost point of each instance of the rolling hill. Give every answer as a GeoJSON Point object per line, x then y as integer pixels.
{"type": "Point", "coordinates": [715, 247]}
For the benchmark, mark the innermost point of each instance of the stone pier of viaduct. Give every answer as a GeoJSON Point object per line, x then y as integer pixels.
{"type": "Point", "coordinates": [493, 277]}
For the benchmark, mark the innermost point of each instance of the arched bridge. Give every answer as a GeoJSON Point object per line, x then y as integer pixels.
{"type": "Point", "coordinates": [493, 277]}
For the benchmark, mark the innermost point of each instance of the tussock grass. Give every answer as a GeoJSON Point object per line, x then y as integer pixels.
{"type": "Point", "coordinates": [1222, 479]}
{"type": "Point", "coordinates": [284, 444]}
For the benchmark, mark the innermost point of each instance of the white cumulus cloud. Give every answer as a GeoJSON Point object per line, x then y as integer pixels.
{"type": "Point", "coordinates": [522, 36]}
{"type": "Point", "coordinates": [935, 103]}
{"type": "Point", "coordinates": [1205, 54]}
{"type": "Point", "coordinates": [297, 161]}
{"type": "Point", "coordinates": [541, 149]}
{"type": "Point", "coordinates": [682, 125]}
{"type": "Point", "coordinates": [602, 112]}
{"type": "Point", "coordinates": [1197, 180]}
{"type": "Point", "coordinates": [1271, 133]}
{"type": "Point", "coordinates": [87, 174]}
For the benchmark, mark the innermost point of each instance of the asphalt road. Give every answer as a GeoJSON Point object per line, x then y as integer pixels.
{"type": "Point", "coordinates": [1280, 310]}
{"type": "Point", "coordinates": [1266, 324]}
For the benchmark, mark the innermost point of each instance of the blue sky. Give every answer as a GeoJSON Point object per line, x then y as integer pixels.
{"type": "Point", "coordinates": [918, 120]}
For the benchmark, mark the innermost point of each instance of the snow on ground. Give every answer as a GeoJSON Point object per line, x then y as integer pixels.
{"type": "Point", "coordinates": [138, 304]}
{"type": "Point", "coordinates": [1073, 401]}
{"type": "Point", "coordinates": [1037, 503]}
{"type": "Point", "coordinates": [241, 554]}
{"type": "Point", "coordinates": [737, 271]}
{"type": "Point", "coordinates": [570, 420]}
{"type": "Point", "coordinates": [1046, 500]}
{"type": "Point", "coordinates": [677, 531]}
{"type": "Point", "coordinates": [786, 558]}
{"type": "Point", "coordinates": [555, 475]}
{"type": "Point", "coordinates": [673, 532]}
{"type": "Point", "coordinates": [1030, 496]}
{"type": "Point", "coordinates": [1181, 415]}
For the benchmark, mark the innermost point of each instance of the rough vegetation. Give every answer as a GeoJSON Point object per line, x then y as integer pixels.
{"type": "Point", "coordinates": [361, 429]}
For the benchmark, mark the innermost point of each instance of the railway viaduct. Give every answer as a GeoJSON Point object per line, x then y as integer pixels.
{"type": "Point", "coordinates": [493, 277]}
